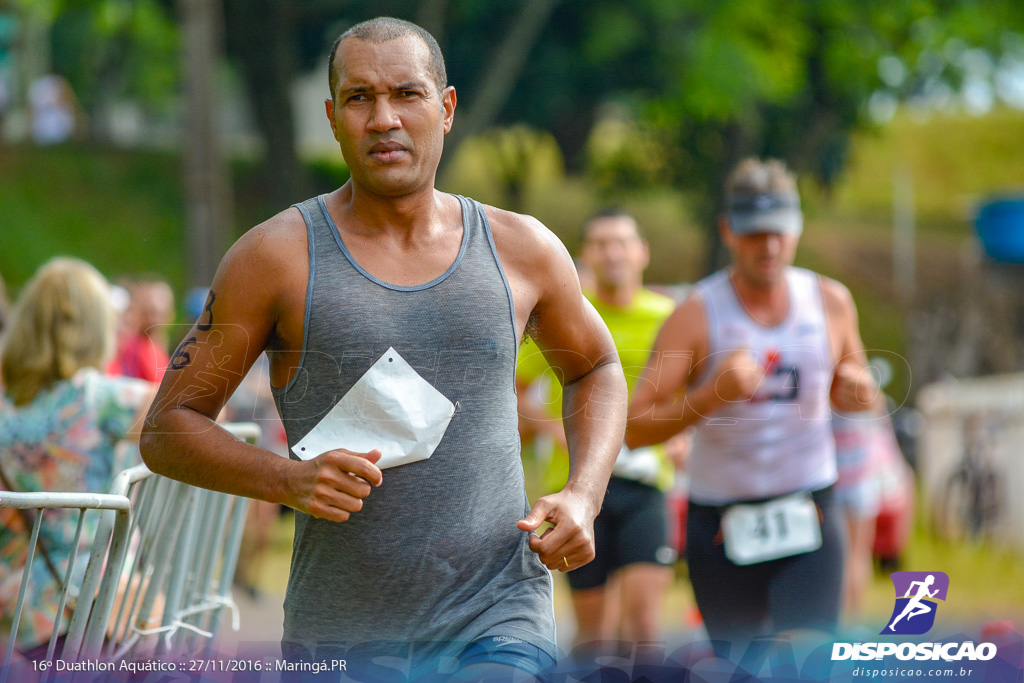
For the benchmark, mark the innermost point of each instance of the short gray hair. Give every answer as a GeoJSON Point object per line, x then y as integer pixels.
{"type": "Point", "coordinates": [383, 29]}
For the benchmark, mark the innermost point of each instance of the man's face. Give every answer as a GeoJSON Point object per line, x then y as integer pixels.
{"type": "Point", "coordinates": [761, 257]}
{"type": "Point", "coordinates": [153, 306]}
{"type": "Point", "coordinates": [615, 252]}
{"type": "Point", "coordinates": [388, 116]}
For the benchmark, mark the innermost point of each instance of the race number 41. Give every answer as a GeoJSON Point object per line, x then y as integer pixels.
{"type": "Point", "coordinates": [767, 531]}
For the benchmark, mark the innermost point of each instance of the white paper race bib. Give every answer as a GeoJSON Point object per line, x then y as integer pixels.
{"type": "Point", "coordinates": [391, 408]}
{"type": "Point", "coordinates": [767, 531]}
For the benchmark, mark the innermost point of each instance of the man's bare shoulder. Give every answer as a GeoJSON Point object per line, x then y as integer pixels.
{"type": "Point", "coordinates": [691, 309]}
{"type": "Point", "coordinates": [275, 241]}
{"type": "Point", "coordinates": [837, 298]}
{"type": "Point", "coordinates": [266, 270]}
{"type": "Point", "coordinates": [522, 239]}
{"type": "Point", "coordinates": [686, 329]}
{"type": "Point", "coordinates": [545, 287]}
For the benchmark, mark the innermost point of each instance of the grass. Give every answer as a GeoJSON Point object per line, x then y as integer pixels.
{"type": "Point", "coordinates": [121, 211]}
{"type": "Point", "coordinates": [273, 575]}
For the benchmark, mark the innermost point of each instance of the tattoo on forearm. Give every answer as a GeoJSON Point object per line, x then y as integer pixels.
{"type": "Point", "coordinates": [182, 358]}
{"type": "Point", "coordinates": [205, 327]}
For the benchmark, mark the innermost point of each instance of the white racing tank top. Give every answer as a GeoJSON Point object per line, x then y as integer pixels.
{"type": "Point", "coordinates": [780, 441]}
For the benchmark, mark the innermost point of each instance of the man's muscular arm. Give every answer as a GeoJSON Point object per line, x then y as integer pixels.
{"type": "Point", "coordinates": [577, 344]}
{"type": "Point", "coordinates": [663, 405]}
{"type": "Point", "coordinates": [242, 314]}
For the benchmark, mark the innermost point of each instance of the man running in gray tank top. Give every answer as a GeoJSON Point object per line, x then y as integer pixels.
{"type": "Point", "coordinates": [434, 561]}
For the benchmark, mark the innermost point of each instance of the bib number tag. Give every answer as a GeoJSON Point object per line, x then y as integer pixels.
{"type": "Point", "coordinates": [767, 531]}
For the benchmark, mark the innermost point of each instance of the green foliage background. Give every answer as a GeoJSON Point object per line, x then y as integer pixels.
{"type": "Point", "coordinates": [123, 211]}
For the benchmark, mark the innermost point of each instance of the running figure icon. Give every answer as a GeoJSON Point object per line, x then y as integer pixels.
{"type": "Point", "coordinates": [916, 607]}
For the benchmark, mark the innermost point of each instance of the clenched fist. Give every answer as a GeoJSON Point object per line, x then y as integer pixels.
{"type": "Point", "coordinates": [853, 387]}
{"type": "Point", "coordinates": [738, 377]}
{"type": "Point", "coordinates": [333, 485]}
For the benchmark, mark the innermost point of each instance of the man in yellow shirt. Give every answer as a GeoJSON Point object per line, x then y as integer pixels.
{"type": "Point", "coordinates": [631, 532]}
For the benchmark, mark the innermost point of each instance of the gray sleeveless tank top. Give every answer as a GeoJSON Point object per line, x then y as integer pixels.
{"type": "Point", "coordinates": [434, 555]}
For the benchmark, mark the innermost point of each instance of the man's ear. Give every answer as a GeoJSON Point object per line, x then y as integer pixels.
{"type": "Point", "coordinates": [448, 101]}
{"type": "Point", "coordinates": [724, 230]}
{"type": "Point", "coordinates": [329, 108]}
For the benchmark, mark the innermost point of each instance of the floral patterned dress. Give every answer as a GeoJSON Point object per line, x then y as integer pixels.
{"type": "Point", "coordinates": [65, 440]}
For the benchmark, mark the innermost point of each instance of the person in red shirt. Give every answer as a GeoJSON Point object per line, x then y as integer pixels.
{"type": "Point", "coordinates": [142, 344]}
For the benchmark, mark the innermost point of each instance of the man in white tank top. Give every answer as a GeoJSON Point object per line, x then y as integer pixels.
{"type": "Point", "coordinates": [753, 361]}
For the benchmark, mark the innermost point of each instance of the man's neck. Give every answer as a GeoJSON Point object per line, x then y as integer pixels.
{"type": "Point", "coordinates": [373, 214]}
{"type": "Point", "coordinates": [618, 295]}
{"type": "Point", "coordinates": [767, 304]}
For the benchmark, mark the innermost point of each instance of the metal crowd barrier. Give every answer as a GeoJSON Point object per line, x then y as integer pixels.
{"type": "Point", "coordinates": [164, 555]}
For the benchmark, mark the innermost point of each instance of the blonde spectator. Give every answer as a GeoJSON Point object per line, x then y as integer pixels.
{"type": "Point", "coordinates": [60, 421]}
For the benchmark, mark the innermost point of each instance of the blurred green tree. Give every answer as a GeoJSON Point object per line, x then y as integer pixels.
{"type": "Point", "coordinates": [114, 50]}
{"type": "Point", "coordinates": [272, 40]}
{"type": "Point", "coordinates": [717, 81]}
{"type": "Point", "coordinates": [696, 84]}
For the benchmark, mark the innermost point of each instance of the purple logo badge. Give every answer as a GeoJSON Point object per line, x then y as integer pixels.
{"type": "Point", "coordinates": [916, 593]}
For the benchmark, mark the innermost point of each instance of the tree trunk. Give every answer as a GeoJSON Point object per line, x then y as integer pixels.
{"type": "Point", "coordinates": [735, 147]}
{"type": "Point", "coordinates": [430, 17]}
{"type": "Point", "coordinates": [572, 133]}
{"type": "Point", "coordinates": [504, 69]}
{"type": "Point", "coordinates": [263, 35]}
{"type": "Point", "coordinates": [207, 186]}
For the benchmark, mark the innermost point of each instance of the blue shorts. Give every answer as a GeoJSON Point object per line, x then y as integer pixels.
{"type": "Point", "coordinates": [507, 651]}
{"type": "Point", "coordinates": [395, 662]}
